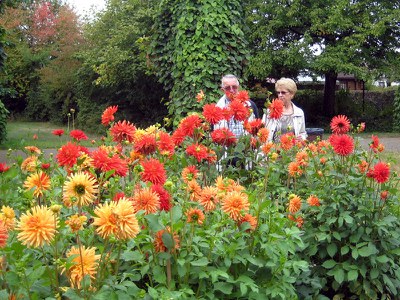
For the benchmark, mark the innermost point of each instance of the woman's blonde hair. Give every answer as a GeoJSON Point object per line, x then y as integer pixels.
{"type": "Point", "coordinates": [287, 84]}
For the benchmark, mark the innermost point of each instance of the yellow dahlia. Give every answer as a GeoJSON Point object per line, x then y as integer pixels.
{"type": "Point", "coordinates": [7, 215]}
{"type": "Point", "coordinates": [79, 189]}
{"type": "Point", "coordinates": [234, 203]}
{"type": "Point", "coordinates": [85, 262]}
{"type": "Point", "coordinates": [37, 227]}
{"type": "Point", "coordinates": [40, 181]}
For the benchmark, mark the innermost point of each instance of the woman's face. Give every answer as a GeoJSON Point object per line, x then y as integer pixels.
{"type": "Point", "coordinates": [284, 94]}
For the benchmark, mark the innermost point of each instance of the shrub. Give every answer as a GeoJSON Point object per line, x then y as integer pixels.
{"type": "Point", "coordinates": [3, 122]}
{"type": "Point", "coordinates": [396, 111]}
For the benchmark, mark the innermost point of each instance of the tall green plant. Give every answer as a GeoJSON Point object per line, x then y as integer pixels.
{"type": "Point", "coordinates": [193, 45]}
{"type": "Point", "coordinates": [396, 112]}
{"type": "Point", "coordinates": [3, 122]}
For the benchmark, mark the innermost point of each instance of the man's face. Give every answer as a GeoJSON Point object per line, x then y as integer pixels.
{"type": "Point", "coordinates": [230, 87]}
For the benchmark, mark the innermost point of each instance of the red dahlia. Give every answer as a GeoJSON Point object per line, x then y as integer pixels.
{"type": "Point", "coordinates": [58, 132]}
{"type": "Point", "coordinates": [340, 124]}
{"type": "Point", "coordinates": [108, 115]}
{"type": "Point", "coordinates": [78, 135]}
{"type": "Point", "coordinates": [165, 197]}
{"type": "Point", "coordinates": [381, 172]}
{"type": "Point", "coordinates": [239, 110]}
{"type": "Point", "coordinates": [223, 137]}
{"type": "Point", "coordinates": [275, 109]}
{"type": "Point", "coordinates": [212, 113]}
{"type": "Point", "coordinates": [105, 162]}
{"type": "Point", "coordinates": [69, 153]}
{"type": "Point", "coordinates": [123, 131]}
{"type": "Point", "coordinates": [153, 171]}
{"type": "Point", "coordinates": [146, 144]}
{"type": "Point", "coordinates": [342, 144]}
{"type": "Point", "coordinates": [198, 151]}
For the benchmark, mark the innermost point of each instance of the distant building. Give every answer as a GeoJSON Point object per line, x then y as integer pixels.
{"type": "Point", "coordinates": [349, 82]}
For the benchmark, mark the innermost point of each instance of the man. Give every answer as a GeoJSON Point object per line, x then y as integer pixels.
{"type": "Point", "coordinates": [230, 87]}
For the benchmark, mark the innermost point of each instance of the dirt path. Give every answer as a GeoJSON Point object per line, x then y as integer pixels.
{"type": "Point", "coordinates": [392, 144]}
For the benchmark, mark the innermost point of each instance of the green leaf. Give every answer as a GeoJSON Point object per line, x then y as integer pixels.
{"type": "Point", "coordinates": [176, 213]}
{"type": "Point", "coordinates": [200, 262]}
{"type": "Point", "coordinates": [224, 287]}
{"type": "Point", "coordinates": [374, 273]}
{"type": "Point", "coordinates": [352, 275]}
{"type": "Point", "coordinates": [367, 250]}
{"type": "Point", "coordinates": [338, 274]}
{"type": "Point", "coordinates": [332, 249]}
{"type": "Point", "coordinates": [354, 253]}
{"type": "Point", "coordinates": [329, 264]}
{"type": "Point", "coordinates": [159, 274]}
{"type": "Point", "coordinates": [153, 222]}
{"type": "Point", "coordinates": [382, 259]}
{"type": "Point", "coordinates": [132, 256]}
{"type": "Point", "coordinates": [344, 250]}
{"type": "Point", "coordinates": [168, 240]}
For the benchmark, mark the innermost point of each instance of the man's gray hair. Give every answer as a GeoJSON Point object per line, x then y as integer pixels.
{"type": "Point", "coordinates": [228, 76]}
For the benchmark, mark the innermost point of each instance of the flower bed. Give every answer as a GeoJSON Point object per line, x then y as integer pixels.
{"type": "Point", "coordinates": [152, 214]}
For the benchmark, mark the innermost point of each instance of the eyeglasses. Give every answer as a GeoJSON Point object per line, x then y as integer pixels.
{"type": "Point", "coordinates": [281, 92]}
{"type": "Point", "coordinates": [230, 87]}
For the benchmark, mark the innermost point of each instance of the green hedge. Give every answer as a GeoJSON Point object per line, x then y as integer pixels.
{"type": "Point", "coordinates": [3, 122]}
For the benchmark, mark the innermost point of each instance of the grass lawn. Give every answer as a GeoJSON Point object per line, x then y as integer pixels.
{"type": "Point", "coordinates": [21, 134]}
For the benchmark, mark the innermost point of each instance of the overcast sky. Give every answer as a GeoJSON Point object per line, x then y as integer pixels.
{"type": "Point", "coordinates": [82, 7]}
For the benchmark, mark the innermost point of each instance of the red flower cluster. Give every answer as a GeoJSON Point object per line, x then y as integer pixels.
{"type": "Point", "coordinates": [342, 144]}
{"type": "Point", "coordinates": [340, 124]}
{"type": "Point", "coordinates": [105, 162]}
{"type": "Point", "coordinates": [223, 137]}
{"type": "Point", "coordinates": [189, 124]}
{"type": "Point", "coordinates": [212, 113]}
{"type": "Point", "coordinates": [153, 171]}
{"type": "Point", "coordinates": [146, 144]}
{"type": "Point", "coordinates": [241, 96]}
{"type": "Point", "coordinates": [78, 135]}
{"type": "Point", "coordinates": [198, 151]}
{"type": "Point", "coordinates": [381, 172]}
{"type": "Point", "coordinates": [58, 132]}
{"type": "Point", "coordinates": [69, 153]}
{"type": "Point", "coordinates": [253, 126]}
{"type": "Point", "coordinates": [3, 167]}
{"type": "Point", "coordinates": [123, 131]}
{"type": "Point", "coordinates": [165, 144]}
{"type": "Point", "coordinates": [276, 109]}
{"type": "Point", "coordinates": [239, 110]}
{"type": "Point", "coordinates": [108, 115]}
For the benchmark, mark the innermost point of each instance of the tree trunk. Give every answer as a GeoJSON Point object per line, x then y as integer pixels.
{"type": "Point", "coordinates": [329, 94]}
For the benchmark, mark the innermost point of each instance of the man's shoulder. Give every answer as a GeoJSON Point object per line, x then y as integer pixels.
{"type": "Point", "coordinates": [222, 101]}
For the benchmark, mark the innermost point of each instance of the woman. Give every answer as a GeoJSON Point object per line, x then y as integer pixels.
{"type": "Point", "coordinates": [292, 119]}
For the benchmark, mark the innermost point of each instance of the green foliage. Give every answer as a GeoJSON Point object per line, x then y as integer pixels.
{"type": "Point", "coordinates": [193, 45]}
{"type": "Point", "coordinates": [396, 111]}
{"type": "Point", "coordinates": [3, 122]}
{"type": "Point", "coordinates": [324, 38]}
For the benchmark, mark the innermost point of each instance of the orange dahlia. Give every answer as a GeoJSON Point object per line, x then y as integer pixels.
{"type": "Point", "coordinates": [159, 243]}
{"type": "Point", "coordinates": [194, 188]}
{"type": "Point", "coordinates": [127, 223]}
{"type": "Point", "coordinates": [105, 219]}
{"type": "Point", "coordinates": [253, 126]}
{"type": "Point", "coordinates": [195, 215]}
{"type": "Point", "coordinates": [108, 115]}
{"type": "Point", "coordinates": [37, 227]}
{"type": "Point", "coordinates": [302, 158]}
{"type": "Point", "coordinates": [76, 222]}
{"type": "Point", "coordinates": [3, 234]}
{"type": "Point", "coordinates": [249, 219]}
{"type": "Point", "coordinates": [33, 149]}
{"type": "Point", "coordinates": [313, 200]}
{"type": "Point", "coordinates": [263, 134]}
{"type": "Point", "coordinates": [147, 200]}
{"type": "Point", "coordinates": [189, 173]}
{"type": "Point", "coordinates": [208, 197]}
{"type": "Point", "coordinates": [84, 262]}
{"type": "Point", "coordinates": [239, 110]}
{"type": "Point", "coordinates": [363, 166]}
{"type": "Point", "coordinates": [294, 203]}
{"type": "Point", "coordinates": [295, 169]}
{"type": "Point", "coordinates": [287, 140]}
{"type": "Point", "coordinates": [40, 181]}
{"type": "Point", "coordinates": [266, 148]}
{"type": "Point", "coordinates": [30, 164]}
{"type": "Point", "coordinates": [235, 204]}
{"type": "Point", "coordinates": [79, 189]}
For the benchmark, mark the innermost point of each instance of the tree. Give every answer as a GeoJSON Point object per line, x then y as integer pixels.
{"type": "Point", "coordinates": [193, 44]}
{"type": "Point", "coordinates": [114, 69]}
{"type": "Point", "coordinates": [325, 37]}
